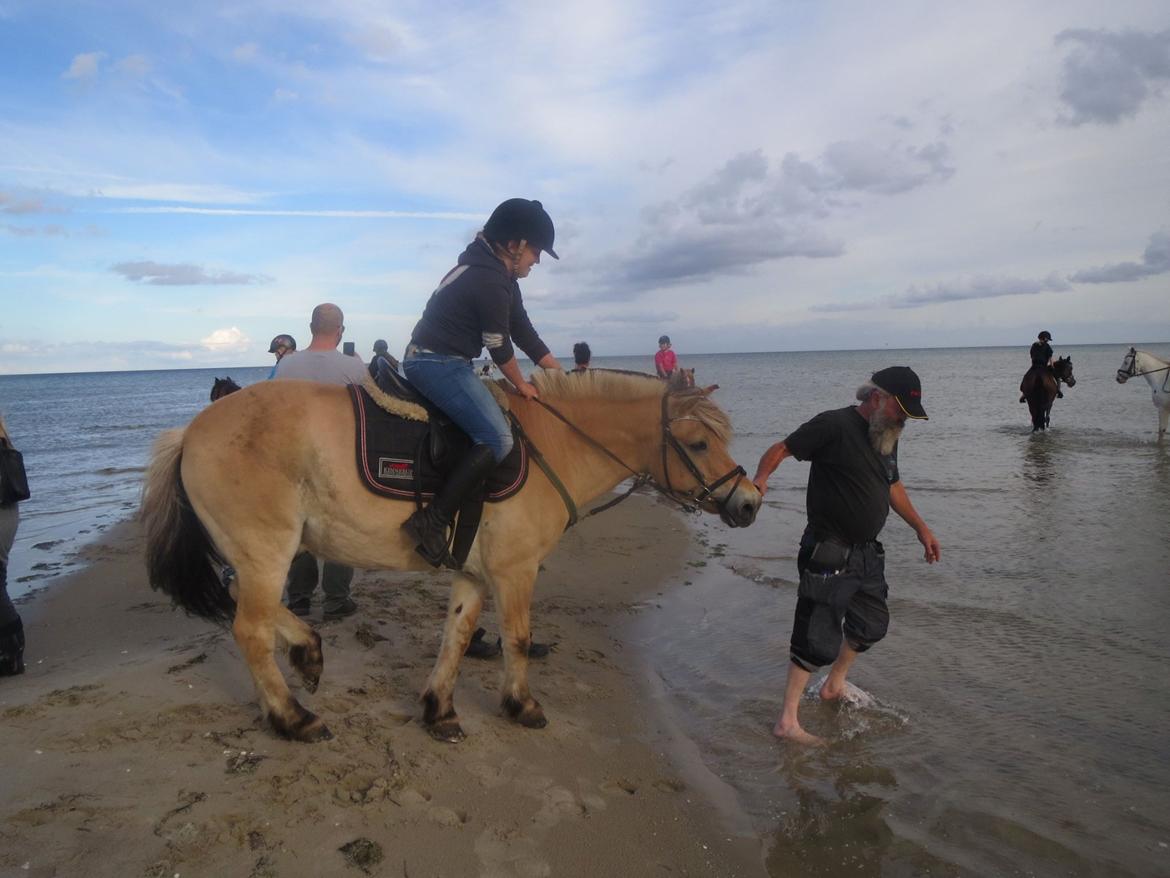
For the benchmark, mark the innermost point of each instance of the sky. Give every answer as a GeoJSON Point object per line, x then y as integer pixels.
{"type": "Point", "coordinates": [180, 183]}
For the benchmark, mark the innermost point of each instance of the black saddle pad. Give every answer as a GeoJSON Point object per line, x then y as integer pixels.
{"type": "Point", "coordinates": [396, 456]}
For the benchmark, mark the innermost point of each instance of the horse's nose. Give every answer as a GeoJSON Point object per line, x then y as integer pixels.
{"type": "Point", "coordinates": [1072, 382]}
{"type": "Point", "coordinates": [1121, 376]}
{"type": "Point", "coordinates": [743, 505]}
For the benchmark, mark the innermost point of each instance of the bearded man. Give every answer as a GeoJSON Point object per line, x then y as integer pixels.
{"type": "Point", "coordinates": [852, 484]}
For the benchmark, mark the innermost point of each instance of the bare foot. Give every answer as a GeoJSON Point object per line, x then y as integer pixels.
{"type": "Point", "coordinates": [795, 733]}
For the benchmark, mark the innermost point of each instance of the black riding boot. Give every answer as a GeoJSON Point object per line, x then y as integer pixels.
{"type": "Point", "coordinates": [12, 649]}
{"type": "Point", "coordinates": [428, 526]}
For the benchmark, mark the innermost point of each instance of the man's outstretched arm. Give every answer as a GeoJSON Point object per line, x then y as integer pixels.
{"type": "Point", "coordinates": [900, 502]}
{"type": "Point", "coordinates": [768, 464]}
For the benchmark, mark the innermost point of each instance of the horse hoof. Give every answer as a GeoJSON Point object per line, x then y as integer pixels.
{"type": "Point", "coordinates": [308, 728]}
{"type": "Point", "coordinates": [447, 732]}
{"type": "Point", "coordinates": [529, 715]}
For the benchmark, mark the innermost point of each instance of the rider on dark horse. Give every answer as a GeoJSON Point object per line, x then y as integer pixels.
{"type": "Point", "coordinates": [1041, 354]}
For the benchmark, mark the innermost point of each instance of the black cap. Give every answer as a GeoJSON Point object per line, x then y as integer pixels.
{"type": "Point", "coordinates": [904, 386]}
{"type": "Point", "coordinates": [1045, 335]}
{"type": "Point", "coordinates": [282, 340]}
{"type": "Point", "coordinates": [664, 339]}
{"type": "Point", "coordinates": [380, 345]}
{"type": "Point", "coordinates": [519, 219]}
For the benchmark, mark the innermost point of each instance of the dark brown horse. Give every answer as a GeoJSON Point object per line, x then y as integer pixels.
{"type": "Point", "coordinates": [1043, 387]}
{"type": "Point", "coordinates": [222, 387]}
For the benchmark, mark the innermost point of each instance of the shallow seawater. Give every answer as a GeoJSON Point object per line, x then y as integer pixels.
{"type": "Point", "coordinates": [1013, 722]}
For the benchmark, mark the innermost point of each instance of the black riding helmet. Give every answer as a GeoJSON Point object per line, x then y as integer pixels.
{"type": "Point", "coordinates": [519, 219]}
{"type": "Point", "coordinates": [1045, 336]}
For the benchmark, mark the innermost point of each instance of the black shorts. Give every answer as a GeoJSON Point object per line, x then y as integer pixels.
{"type": "Point", "coordinates": [850, 602]}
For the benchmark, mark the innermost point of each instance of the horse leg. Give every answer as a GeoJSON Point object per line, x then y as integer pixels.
{"type": "Point", "coordinates": [513, 595]}
{"type": "Point", "coordinates": [303, 645]}
{"type": "Point", "coordinates": [438, 697]}
{"type": "Point", "coordinates": [255, 630]}
{"type": "Point", "coordinates": [1163, 418]}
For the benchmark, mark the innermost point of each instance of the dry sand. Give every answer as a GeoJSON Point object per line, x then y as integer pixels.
{"type": "Point", "coordinates": [133, 746]}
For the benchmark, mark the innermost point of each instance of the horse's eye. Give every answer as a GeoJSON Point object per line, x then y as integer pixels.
{"type": "Point", "coordinates": [701, 445]}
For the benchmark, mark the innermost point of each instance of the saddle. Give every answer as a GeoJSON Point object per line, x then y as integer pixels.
{"type": "Point", "coordinates": [406, 446]}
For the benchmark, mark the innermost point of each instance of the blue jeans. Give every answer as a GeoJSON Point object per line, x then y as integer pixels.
{"type": "Point", "coordinates": [450, 383]}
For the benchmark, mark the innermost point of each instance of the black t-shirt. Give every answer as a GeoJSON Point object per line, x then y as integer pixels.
{"type": "Point", "coordinates": [849, 483]}
{"type": "Point", "coordinates": [1041, 353]}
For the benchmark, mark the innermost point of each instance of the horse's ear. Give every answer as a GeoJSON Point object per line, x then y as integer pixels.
{"type": "Point", "coordinates": [709, 389]}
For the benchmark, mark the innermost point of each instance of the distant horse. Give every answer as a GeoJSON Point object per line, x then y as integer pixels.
{"type": "Point", "coordinates": [1043, 391]}
{"type": "Point", "coordinates": [222, 387]}
{"type": "Point", "coordinates": [682, 379]}
{"type": "Point", "coordinates": [1156, 371]}
{"type": "Point", "coordinates": [212, 494]}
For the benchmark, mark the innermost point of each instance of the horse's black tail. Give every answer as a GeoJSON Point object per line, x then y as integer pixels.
{"type": "Point", "coordinates": [180, 557]}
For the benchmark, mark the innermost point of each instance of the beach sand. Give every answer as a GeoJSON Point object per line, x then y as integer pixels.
{"type": "Point", "coordinates": [133, 744]}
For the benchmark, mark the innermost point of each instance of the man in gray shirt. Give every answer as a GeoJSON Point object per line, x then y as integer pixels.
{"type": "Point", "coordinates": [321, 361]}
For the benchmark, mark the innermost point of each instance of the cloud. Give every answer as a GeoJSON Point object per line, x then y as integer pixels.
{"type": "Point", "coordinates": [230, 339]}
{"type": "Point", "coordinates": [10, 204]}
{"type": "Point", "coordinates": [246, 53]}
{"type": "Point", "coordinates": [1155, 260]}
{"type": "Point", "coordinates": [135, 65]}
{"type": "Point", "coordinates": [84, 66]}
{"type": "Point", "coordinates": [325, 214]}
{"type": "Point", "coordinates": [285, 96]}
{"type": "Point", "coordinates": [52, 231]}
{"type": "Point", "coordinates": [157, 274]}
{"type": "Point", "coordinates": [748, 212]}
{"type": "Point", "coordinates": [1108, 75]}
{"type": "Point", "coordinates": [652, 317]}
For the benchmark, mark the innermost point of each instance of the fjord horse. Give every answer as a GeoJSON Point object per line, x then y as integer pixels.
{"type": "Point", "coordinates": [1044, 387]}
{"type": "Point", "coordinates": [270, 471]}
{"type": "Point", "coordinates": [1156, 371]}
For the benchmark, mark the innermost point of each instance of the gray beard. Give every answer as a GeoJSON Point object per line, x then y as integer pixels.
{"type": "Point", "coordinates": [884, 433]}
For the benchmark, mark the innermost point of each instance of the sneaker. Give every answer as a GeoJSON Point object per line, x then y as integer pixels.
{"type": "Point", "coordinates": [346, 608]}
{"type": "Point", "coordinates": [301, 606]}
{"type": "Point", "coordinates": [12, 649]}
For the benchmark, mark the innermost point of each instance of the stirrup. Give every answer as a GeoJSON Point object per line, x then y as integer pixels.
{"type": "Point", "coordinates": [430, 540]}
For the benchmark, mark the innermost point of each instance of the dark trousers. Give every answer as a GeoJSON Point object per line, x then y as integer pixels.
{"type": "Point", "coordinates": [849, 603]}
{"type": "Point", "coordinates": [302, 581]}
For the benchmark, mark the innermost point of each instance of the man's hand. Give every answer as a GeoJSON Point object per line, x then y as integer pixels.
{"type": "Point", "coordinates": [761, 484]}
{"type": "Point", "coordinates": [527, 390]}
{"type": "Point", "coordinates": [930, 544]}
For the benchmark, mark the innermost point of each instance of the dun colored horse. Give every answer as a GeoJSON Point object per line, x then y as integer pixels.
{"type": "Point", "coordinates": [1043, 389]}
{"type": "Point", "coordinates": [269, 471]}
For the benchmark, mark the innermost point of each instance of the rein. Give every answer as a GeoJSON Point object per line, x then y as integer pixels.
{"type": "Point", "coordinates": [640, 478]}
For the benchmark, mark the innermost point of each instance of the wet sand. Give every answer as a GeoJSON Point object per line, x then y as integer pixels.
{"type": "Point", "coordinates": [133, 744]}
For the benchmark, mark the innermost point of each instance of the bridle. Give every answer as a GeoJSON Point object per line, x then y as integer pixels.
{"type": "Point", "coordinates": [1130, 371]}
{"type": "Point", "coordinates": [689, 501]}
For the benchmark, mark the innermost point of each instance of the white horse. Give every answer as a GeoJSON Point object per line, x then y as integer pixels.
{"type": "Point", "coordinates": [1157, 373]}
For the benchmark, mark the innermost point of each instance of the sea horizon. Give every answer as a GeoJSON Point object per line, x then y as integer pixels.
{"type": "Point", "coordinates": [648, 354]}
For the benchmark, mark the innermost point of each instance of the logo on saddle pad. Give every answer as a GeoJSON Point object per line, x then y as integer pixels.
{"type": "Point", "coordinates": [398, 468]}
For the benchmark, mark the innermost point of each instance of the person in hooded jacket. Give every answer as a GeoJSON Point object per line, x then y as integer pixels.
{"type": "Point", "coordinates": [477, 305]}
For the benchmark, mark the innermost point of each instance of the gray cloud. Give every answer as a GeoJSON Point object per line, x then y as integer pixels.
{"type": "Point", "coordinates": [14, 205]}
{"type": "Point", "coordinates": [52, 231]}
{"type": "Point", "coordinates": [182, 275]}
{"type": "Point", "coordinates": [652, 317]}
{"type": "Point", "coordinates": [1107, 75]}
{"type": "Point", "coordinates": [749, 212]}
{"type": "Point", "coordinates": [1155, 260]}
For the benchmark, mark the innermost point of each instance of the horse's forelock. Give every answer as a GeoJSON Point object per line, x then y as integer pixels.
{"type": "Point", "coordinates": [697, 404]}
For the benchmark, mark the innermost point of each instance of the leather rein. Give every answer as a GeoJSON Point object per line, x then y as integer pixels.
{"type": "Point", "coordinates": [689, 501]}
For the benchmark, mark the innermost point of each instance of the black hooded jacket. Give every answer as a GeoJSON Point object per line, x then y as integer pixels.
{"type": "Point", "coordinates": [478, 305]}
